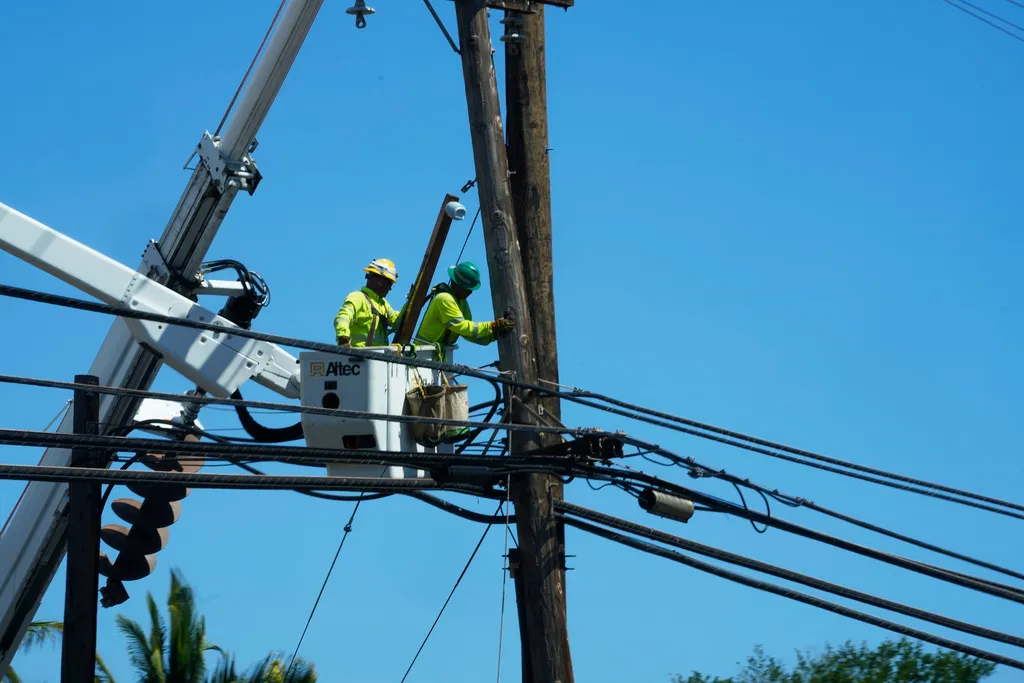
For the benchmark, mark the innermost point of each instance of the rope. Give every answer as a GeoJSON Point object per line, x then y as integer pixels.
{"type": "Point", "coordinates": [445, 605]}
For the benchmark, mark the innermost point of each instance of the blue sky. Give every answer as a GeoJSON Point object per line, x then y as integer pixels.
{"type": "Point", "coordinates": [796, 219]}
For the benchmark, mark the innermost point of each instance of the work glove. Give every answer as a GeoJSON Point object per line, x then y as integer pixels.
{"type": "Point", "coordinates": [502, 325]}
{"type": "Point", "coordinates": [342, 341]}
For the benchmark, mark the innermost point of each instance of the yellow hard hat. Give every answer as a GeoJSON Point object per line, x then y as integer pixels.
{"type": "Point", "coordinates": [383, 267]}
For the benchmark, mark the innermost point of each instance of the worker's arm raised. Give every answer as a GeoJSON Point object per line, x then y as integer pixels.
{"type": "Point", "coordinates": [478, 333]}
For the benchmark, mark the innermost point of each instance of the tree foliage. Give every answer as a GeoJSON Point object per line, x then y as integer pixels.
{"type": "Point", "coordinates": [901, 661]}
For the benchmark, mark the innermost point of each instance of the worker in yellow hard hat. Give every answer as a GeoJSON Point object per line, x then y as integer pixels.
{"type": "Point", "coordinates": [366, 318]}
{"type": "Point", "coordinates": [448, 316]}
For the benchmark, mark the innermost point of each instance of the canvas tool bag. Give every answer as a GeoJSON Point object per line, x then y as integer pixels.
{"type": "Point", "coordinates": [443, 401]}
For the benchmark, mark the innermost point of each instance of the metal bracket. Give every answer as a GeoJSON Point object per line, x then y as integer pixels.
{"type": "Point", "coordinates": [156, 266]}
{"type": "Point", "coordinates": [528, 6]}
{"type": "Point", "coordinates": [226, 173]}
{"type": "Point", "coordinates": [587, 446]}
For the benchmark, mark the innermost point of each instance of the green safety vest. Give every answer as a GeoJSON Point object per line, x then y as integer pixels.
{"type": "Point", "coordinates": [447, 318]}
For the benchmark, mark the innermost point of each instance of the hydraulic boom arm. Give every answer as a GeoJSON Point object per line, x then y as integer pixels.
{"type": "Point", "coordinates": [34, 542]}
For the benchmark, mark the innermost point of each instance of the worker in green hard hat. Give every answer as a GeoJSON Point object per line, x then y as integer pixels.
{"type": "Point", "coordinates": [448, 315]}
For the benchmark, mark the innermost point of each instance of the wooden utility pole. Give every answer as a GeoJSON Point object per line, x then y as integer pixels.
{"type": "Point", "coordinates": [540, 569]}
{"type": "Point", "coordinates": [527, 116]}
{"type": "Point", "coordinates": [78, 650]}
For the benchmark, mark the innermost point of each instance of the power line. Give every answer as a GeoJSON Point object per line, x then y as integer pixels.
{"type": "Point", "coordinates": [207, 480]}
{"type": "Point", "coordinates": [981, 18]}
{"type": "Point", "coordinates": [457, 582]}
{"type": "Point", "coordinates": [794, 595]}
{"type": "Point", "coordinates": [795, 501]}
{"type": "Point", "coordinates": [348, 530]}
{"type": "Point", "coordinates": [504, 575]}
{"type": "Point", "coordinates": [447, 465]}
{"type": "Point", "coordinates": [993, 15]}
{"type": "Point", "coordinates": [789, 575]}
{"type": "Point", "coordinates": [634, 412]}
{"type": "Point", "coordinates": [210, 400]}
{"type": "Point", "coordinates": [958, 578]}
{"type": "Point", "coordinates": [737, 437]}
{"type": "Point", "coordinates": [1016, 2]}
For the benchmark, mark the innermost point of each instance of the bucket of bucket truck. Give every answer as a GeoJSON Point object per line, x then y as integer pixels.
{"type": "Point", "coordinates": [443, 401]}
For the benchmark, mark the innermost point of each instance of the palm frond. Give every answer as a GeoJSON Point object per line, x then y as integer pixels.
{"type": "Point", "coordinates": [157, 629]}
{"type": "Point", "coordinates": [271, 669]}
{"type": "Point", "coordinates": [103, 674]}
{"type": "Point", "coordinates": [10, 676]}
{"type": "Point", "coordinates": [225, 672]}
{"type": "Point", "coordinates": [139, 652]}
{"type": "Point", "coordinates": [40, 632]}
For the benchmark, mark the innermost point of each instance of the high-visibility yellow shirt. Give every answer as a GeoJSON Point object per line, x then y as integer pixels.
{"type": "Point", "coordinates": [365, 318]}
{"type": "Point", "coordinates": [448, 317]}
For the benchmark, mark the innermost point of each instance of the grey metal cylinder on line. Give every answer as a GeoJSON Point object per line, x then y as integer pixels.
{"type": "Point", "coordinates": [666, 505]}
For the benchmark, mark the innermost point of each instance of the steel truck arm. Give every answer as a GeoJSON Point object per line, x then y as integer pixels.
{"type": "Point", "coordinates": [217, 363]}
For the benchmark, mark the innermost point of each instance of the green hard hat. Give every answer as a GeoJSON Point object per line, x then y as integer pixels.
{"type": "Point", "coordinates": [466, 275]}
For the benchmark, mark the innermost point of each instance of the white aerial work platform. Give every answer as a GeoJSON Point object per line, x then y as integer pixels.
{"type": "Point", "coordinates": [334, 381]}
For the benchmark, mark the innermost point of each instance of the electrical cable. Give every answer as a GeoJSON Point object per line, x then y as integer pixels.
{"type": "Point", "coordinates": [1016, 2]}
{"type": "Point", "coordinates": [574, 396]}
{"type": "Point", "coordinates": [957, 578]}
{"type": "Point", "coordinates": [786, 574]}
{"type": "Point", "coordinates": [506, 567]}
{"type": "Point", "coordinates": [471, 515]}
{"type": "Point", "coordinates": [207, 480]}
{"type": "Point", "coordinates": [442, 26]}
{"type": "Point", "coordinates": [445, 605]}
{"type": "Point", "coordinates": [981, 18]}
{"type": "Point", "coordinates": [993, 15]}
{"type": "Point", "coordinates": [468, 234]}
{"type": "Point", "coordinates": [203, 480]}
{"type": "Point", "coordinates": [400, 360]}
{"type": "Point", "coordinates": [348, 530]}
{"type": "Point", "coordinates": [308, 454]}
{"type": "Point", "coordinates": [300, 454]}
{"type": "Point", "coordinates": [795, 501]}
{"type": "Point", "coordinates": [287, 407]}
{"type": "Point", "coordinates": [734, 436]}
{"type": "Point", "coordinates": [793, 595]}
{"type": "Point", "coordinates": [21, 496]}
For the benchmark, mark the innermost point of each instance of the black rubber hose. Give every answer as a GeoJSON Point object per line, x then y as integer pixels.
{"type": "Point", "coordinates": [265, 434]}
